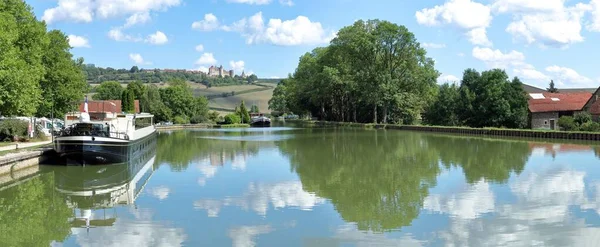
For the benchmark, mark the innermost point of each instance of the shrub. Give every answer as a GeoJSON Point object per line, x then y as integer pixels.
{"type": "Point", "coordinates": [180, 120]}
{"type": "Point", "coordinates": [213, 116]}
{"type": "Point", "coordinates": [590, 126]}
{"type": "Point", "coordinates": [567, 123]}
{"type": "Point", "coordinates": [13, 129]}
{"type": "Point", "coordinates": [198, 119]}
{"type": "Point", "coordinates": [582, 117]}
{"type": "Point", "coordinates": [232, 119]}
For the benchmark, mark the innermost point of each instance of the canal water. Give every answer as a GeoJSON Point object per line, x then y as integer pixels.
{"type": "Point", "coordinates": [315, 187]}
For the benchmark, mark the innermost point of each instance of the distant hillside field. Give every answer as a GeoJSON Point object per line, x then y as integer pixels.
{"type": "Point", "coordinates": [259, 98]}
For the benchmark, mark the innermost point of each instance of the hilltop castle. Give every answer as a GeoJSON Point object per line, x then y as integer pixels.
{"type": "Point", "coordinates": [214, 71]}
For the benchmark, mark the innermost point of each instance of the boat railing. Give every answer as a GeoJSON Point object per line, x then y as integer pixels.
{"type": "Point", "coordinates": [70, 131]}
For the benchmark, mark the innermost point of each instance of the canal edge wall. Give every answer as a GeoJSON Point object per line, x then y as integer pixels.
{"type": "Point", "coordinates": [562, 135]}
{"type": "Point", "coordinates": [14, 162]}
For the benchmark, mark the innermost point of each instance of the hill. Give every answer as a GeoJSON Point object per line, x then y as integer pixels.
{"type": "Point", "coordinates": [228, 104]}
{"type": "Point", "coordinates": [95, 75]}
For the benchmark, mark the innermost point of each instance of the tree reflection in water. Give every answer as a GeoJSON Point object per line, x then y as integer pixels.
{"type": "Point", "coordinates": [379, 179]}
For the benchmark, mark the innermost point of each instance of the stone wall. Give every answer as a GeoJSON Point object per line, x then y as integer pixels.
{"type": "Point", "coordinates": [542, 120]}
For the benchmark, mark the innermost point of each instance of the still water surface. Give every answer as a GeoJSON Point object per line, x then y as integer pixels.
{"type": "Point", "coordinates": [315, 187]}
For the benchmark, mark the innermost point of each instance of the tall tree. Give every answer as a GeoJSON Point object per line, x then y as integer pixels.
{"type": "Point", "coordinates": [22, 43]}
{"type": "Point", "coordinates": [244, 113]}
{"type": "Point", "coordinates": [108, 90]}
{"type": "Point", "coordinates": [134, 69]}
{"type": "Point", "coordinates": [155, 105]}
{"type": "Point", "coordinates": [64, 82]}
{"type": "Point", "coordinates": [552, 89]}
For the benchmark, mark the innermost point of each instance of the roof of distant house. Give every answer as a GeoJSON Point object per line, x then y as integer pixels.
{"type": "Point", "coordinates": [555, 102]}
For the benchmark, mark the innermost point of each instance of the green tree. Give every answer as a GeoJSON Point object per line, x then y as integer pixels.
{"type": "Point", "coordinates": [22, 43]}
{"type": "Point", "coordinates": [109, 90]}
{"type": "Point", "coordinates": [444, 111]}
{"type": "Point", "coordinates": [179, 98]}
{"type": "Point", "coordinates": [552, 89]}
{"type": "Point", "coordinates": [134, 69]}
{"type": "Point", "coordinates": [155, 105]}
{"type": "Point", "coordinates": [130, 100]}
{"type": "Point", "coordinates": [125, 101]}
{"type": "Point", "coordinates": [278, 101]}
{"type": "Point", "coordinates": [252, 78]}
{"type": "Point", "coordinates": [245, 116]}
{"type": "Point", "coordinates": [254, 109]}
{"type": "Point", "coordinates": [64, 82]}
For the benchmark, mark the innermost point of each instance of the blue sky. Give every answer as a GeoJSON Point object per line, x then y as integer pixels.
{"type": "Point", "coordinates": [536, 40]}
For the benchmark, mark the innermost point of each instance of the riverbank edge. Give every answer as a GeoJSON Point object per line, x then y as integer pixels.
{"type": "Point", "coordinates": [11, 163]}
{"type": "Point", "coordinates": [200, 126]}
{"type": "Point", "coordinates": [521, 133]}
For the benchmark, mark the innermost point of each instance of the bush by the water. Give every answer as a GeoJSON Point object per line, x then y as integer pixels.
{"type": "Point", "coordinates": [13, 129]}
{"type": "Point", "coordinates": [180, 120]}
{"type": "Point", "coordinates": [232, 119]}
{"type": "Point", "coordinates": [581, 121]}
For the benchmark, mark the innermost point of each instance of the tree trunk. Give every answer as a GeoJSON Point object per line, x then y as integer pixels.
{"type": "Point", "coordinates": [385, 114]}
{"type": "Point", "coordinates": [323, 111]}
{"type": "Point", "coordinates": [375, 114]}
{"type": "Point", "coordinates": [354, 115]}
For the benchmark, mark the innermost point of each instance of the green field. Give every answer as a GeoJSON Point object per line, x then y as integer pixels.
{"type": "Point", "coordinates": [259, 94]}
{"type": "Point", "coordinates": [259, 98]}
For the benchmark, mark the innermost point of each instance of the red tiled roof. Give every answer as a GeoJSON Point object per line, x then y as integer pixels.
{"type": "Point", "coordinates": [107, 106]}
{"type": "Point", "coordinates": [565, 102]}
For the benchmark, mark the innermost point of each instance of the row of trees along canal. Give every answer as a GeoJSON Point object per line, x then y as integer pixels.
{"type": "Point", "coordinates": [376, 71]}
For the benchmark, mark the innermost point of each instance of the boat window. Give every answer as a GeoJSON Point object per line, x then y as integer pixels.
{"type": "Point", "coordinates": [142, 122]}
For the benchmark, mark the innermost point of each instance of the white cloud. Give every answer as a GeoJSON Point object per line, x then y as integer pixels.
{"type": "Point", "coordinates": [87, 10]}
{"type": "Point", "coordinates": [259, 197]}
{"type": "Point", "coordinates": [237, 65]}
{"type": "Point", "coordinates": [137, 59]}
{"type": "Point", "coordinates": [205, 70]}
{"type": "Point", "coordinates": [244, 236]}
{"type": "Point", "coordinates": [137, 18]}
{"type": "Point", "coordinates": [255, 2]}
{"type": "Point", "coordinates": [209, 23]}
{"type": "Point", "coordinates": [199, 48]}
{"type": "Point", "coordinates": [78, 41]}
{"type": "Point", "coordinates": [206, 59]}
{"type": "Point", "coordinates": [512, 60]}
{"type": "Point", "coordinates": [262, 2]}
{"type": "Point", "coordinates": [460, 54]}
{"type": "Point", "coordinates": [594, 25]}
{"type": "Point", "coordinates": [549, 29]}
{"type": "Point", "coordinates": [569, 77]}
{"type": "Point", "coordinates": [286, 2]}
{"type": "Point", "coordinates": [160, 192]}
{"type": "Point", "coordinates": [477, 199]}
{"type": "Point", "coordinates": [470, 17]}
{"type": "Point", "coordinates": [117, 34]}
{"type": "Point", "coordinates": [158, 38]}
{"type": "Point", "coordinates": [299, 31]}
{"type": "Point", "coordinates": [74, 10]}
{"type": "Point", "coordinates": [128, 232]}
{"type": "Point", "coordinates": [498, 59]}
{"type": "Point", "coordinates": [503, 6]}
{"type": "Point", "coordinates": [433, 45]}
{"type": "Point", "coordinates": [543, 22]}
{"type": "Point", "coordinates": [448, 79]}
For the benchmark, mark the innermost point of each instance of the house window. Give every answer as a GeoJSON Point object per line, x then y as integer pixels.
{"type": "Point", "coordinates": [545, 122]}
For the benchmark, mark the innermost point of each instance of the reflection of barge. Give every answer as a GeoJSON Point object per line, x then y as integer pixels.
{"type": "Point", "coordinates": [104, 137]}
{"type": "Point", "coordinates": [87, 188]}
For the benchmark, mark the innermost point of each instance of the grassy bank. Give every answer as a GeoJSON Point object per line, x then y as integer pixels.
{"type": "Point", "coordinates": [526, 133]}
